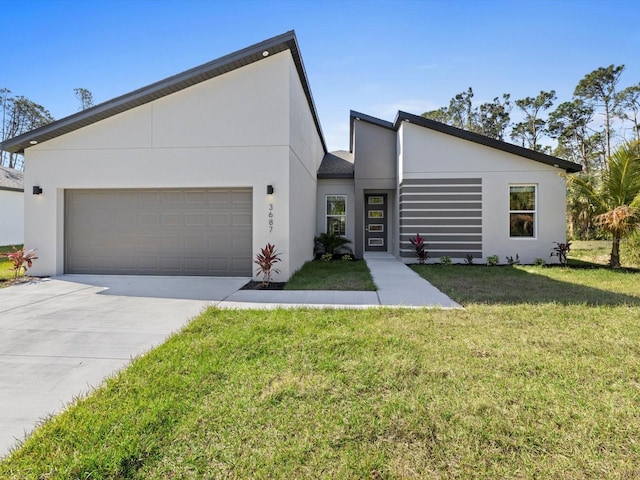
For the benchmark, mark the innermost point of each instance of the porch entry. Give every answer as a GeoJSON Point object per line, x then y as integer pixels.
{"type": "Point", "coordinates": [375, 222]}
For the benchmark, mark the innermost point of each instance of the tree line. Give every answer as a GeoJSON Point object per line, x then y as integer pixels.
{"type": "Point", "coordinates": [20, 115]}
{"type": "Point", "coordinates": [585, 128]}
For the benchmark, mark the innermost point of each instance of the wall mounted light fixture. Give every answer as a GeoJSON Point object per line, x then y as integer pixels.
{"type": "Point", "coordinates": [37, 190]}
{"type": "Point", "coordinates": [269, 189]}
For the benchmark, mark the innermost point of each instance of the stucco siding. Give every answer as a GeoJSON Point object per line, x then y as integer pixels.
{"type": "Point", "coordinates": [12, 220]}
{"type": "Point", "coordinates": [231, 131]}
{"type": "Point", "coordinates": [427, 154]}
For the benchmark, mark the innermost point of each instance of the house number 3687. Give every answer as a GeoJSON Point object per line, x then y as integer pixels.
{"type": "Point", "coordinates": [270, 217]}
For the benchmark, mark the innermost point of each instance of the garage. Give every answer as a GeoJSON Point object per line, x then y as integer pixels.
{"type": "Point", "coordinates": [159, 231]}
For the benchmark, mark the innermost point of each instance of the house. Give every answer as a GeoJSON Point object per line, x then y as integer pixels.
{"type": "Point", "coordinates": [192, 175]}
{"type": "Point", "coordinates": [12, 201]}
{"type": "Point", "coordinates": [466, 194]}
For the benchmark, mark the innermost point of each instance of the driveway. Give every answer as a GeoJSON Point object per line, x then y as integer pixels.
{"type": "Point", "coordinates": [63, 336]}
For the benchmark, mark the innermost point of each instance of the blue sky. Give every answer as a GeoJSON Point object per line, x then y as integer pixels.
{"type": "Point", "coordinates": [371, 56]}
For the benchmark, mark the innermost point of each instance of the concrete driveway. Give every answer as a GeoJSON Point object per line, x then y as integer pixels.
{"type": "Point", "coordinates": [63, 336]}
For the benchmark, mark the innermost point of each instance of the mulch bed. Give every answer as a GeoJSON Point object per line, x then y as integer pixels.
{"type": "Point", "coordinates": [259, 286]}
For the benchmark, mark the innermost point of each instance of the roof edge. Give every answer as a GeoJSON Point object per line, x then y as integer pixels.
{"type": "Point", "coordinates": [167, 86]}
{"type": "Point", "coordinates": [566, 165]}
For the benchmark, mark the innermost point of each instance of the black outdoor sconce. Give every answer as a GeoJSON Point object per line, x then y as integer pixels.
{"type": "Point", "coordinates": [37, 190]}
{"type": "Point", "coordinates": [269, 189]}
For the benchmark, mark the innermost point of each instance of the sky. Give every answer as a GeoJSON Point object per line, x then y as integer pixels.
{"type": "Point", "coordinates": [375, 57]}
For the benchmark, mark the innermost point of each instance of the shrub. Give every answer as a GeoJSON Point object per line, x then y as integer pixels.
{"type": "Point", "coordinates": [347, 258]}
{"type": "Point", "coordinates": [468, 259]}
{"type": "Point", "coordinates": [539, 262]}
{"type": "Point", "coordinates": [445, 260]}
{"type": "Point", "coordinates": [560, 251]}
{"type": "Point", "coordinates": [265, 260]}
{"type": "Point", "coordinates": [631, 249]}
{"type": "Point", "coordinates": [327, 257]}
{"type": "Point", "coordinates": [419, 248]}
{"type": "Point", "coordinates": [513, 261]}
{"type": "Point", "coordinates": [22, 259]}
{"type": "Point", "coordinates": [331, 241]}
{"type": "Point", "coordinates": [493, 260]}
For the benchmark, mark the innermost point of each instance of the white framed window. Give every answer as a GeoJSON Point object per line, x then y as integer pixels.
{"type": "Point", "coordinates": [376, 214]}
{"type": "Point", "coordinates": [376, 200]}
{"type": "Point", "coordinates": [523, 201]}
{"type": "Point", "coordinates": [376, 227]}
{"type": "Point", "coordinates": [376, 242]}
{"type": "Point", "coordinates": [336, 214]}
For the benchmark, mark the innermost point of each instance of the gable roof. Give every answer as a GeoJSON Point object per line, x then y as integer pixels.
{"type": "Point", "coordinates": [11, 180]}
{"type": "Point", "coordinates": [338, 164]}
{"type": "Point", "coordinates": [566, 165]}
{"type": "Point", "coordinates": [220, 66]}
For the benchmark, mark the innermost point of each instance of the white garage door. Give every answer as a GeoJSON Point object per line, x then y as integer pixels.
{"type": "Point", "coordinates": [159, 232]}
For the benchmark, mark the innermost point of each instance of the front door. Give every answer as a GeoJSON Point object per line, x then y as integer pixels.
{"type": "Point", "coordinates": [375, 222]}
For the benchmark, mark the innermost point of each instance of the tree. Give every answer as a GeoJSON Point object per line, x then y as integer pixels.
{"type": "Point", "coordinates": [460, 113]}
{"type": "Point", "coordinates": [85, 97]}
{"type": "Point", "coordinates": [569, 125]}
{"type": "Point", "coordinates": [494, 117]}
{"type": "Point", "coordinates": [628, 102]}
{"type": "Point", "coordinates": [599, 88]}
{"type": "Point", "coordinates": [19, 115]}
{"type": "Point", "coordinates": [615, 199]}
{"type": "Point", "coordinates": [531, 130]}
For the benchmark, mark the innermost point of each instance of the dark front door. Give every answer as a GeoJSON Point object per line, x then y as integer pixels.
{"type": "Point", "coordinates": [375, 222]}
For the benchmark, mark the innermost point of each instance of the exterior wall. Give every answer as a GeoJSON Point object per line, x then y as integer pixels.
{"type": "Point", "coordinates": [375, 171]}
{"type": "Point", "coordinates": [427, 154]}
{"type": "Point", "coordinates": [230, 131]}
{"type": "Point", "coordinates": [12, 219]}
{"type": "Point", "coordinates": [305, 155]}
{"type": "Point", "coordinates": [336, 187]}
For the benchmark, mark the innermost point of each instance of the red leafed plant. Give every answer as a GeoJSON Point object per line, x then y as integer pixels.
{"type": "Point", "coordinates": [265, 260]}
{"type": "Point", "coordinates": [22, 259]}
{"type": "Point", "coordinates": [419, 248]}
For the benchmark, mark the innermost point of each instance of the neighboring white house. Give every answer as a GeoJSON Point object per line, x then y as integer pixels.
{"type": "Point", "coordinates": [194, 174]}
{"type": "Point", "coordinates": [12, 203]}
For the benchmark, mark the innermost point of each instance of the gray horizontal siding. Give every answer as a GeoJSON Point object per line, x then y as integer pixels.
{"type": "Point", "coordinates": [415, 197]}
{"type": "Point", "coordinates": [442, 181]}
{"type": "Point", "coordinates": [447, 189]}
{"type": "Point", "coordinates": [427, 222]}
{"type": "Point", "coordinates": [446, 211]}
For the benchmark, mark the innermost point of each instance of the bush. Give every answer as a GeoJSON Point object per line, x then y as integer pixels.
{"type": "Point", "coordinates": [445, 260]}
{"type": "Point", "coordinates": [493, 260]}
{"type": "Point", "coordinates": [347, 258]}
{"type": "Point", "coordinates": [468, 259]}
{"type": "Point", "coordinates": [419, 248]}
{"type": "Point", "coordinates": [539, 262]}
{"type": "Point", "coordinates": [330, 242]}
{"type": "Point", "coordinates": [631, 249]}
{"type": "Point", "coordinates": [327, 257]}
{"type": "Point", "coordinates": [513, 261]}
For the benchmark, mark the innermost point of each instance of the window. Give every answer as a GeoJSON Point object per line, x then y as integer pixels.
{"type": "Point", "coordinates": [337, 214]}
{"type": "Point", "coordinates": [522, 211]}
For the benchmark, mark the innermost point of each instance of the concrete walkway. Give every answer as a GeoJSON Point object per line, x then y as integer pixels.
{"type": "Point", "coordinates": [398, 286]}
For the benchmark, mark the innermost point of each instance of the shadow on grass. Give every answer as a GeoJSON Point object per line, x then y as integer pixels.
{"type": "Point", "coordinates": [517, 285]}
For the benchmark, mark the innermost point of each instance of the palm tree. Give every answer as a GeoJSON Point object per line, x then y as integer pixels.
{"type": "Point", "coordinates": [616, 197]}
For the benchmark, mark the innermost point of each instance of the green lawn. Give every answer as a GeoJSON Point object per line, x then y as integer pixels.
{"type": "Point", "coordinates": [544, 385]}
{"type": "Point", "coordinates": [334, 275]}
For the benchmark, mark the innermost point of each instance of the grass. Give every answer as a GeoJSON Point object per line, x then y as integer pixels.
{"type": "Point", "coordinates": [334, 275]}
{"type": "Point", "coordinates": [544, 385]}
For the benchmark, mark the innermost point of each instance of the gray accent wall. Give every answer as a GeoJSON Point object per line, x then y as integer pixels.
{"type": "Point", "coordinates": [375, 172]}
{"type": "Point", "coordinates": [446, 211]}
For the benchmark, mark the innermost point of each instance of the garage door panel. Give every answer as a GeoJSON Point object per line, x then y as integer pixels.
{"type": "Point", "coordinates": [159, 232]}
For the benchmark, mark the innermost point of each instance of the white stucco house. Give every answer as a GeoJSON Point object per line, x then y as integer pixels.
{"type": "Point", "coordinates": [192, 175]}
{"type": "Point", "coordinates": [12, 203]}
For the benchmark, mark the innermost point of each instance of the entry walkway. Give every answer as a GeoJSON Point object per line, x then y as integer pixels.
{"type": "Point", "coordinates": [398, 286]}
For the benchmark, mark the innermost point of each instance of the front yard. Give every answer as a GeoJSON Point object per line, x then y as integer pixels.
{"type": "Point", "coordinates": [537, 378]}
